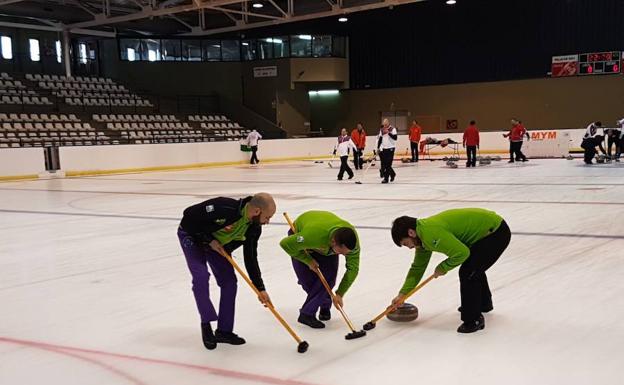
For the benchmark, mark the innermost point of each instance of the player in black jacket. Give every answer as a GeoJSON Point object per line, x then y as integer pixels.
{"type": "Point", "coordinates": [210, 229]}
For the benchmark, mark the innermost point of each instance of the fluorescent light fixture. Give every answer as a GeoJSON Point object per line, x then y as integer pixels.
{"type": "Point", "coordinates": [451, 2]}
{"type": "Point", "coordinates": [323, 92]}
{"type": "Point", "coordinates": [272, 40]}
{"type": "Point", "coordinates": [245, 44]}
{"type": "Point", "coordinates": [257, 5]}
{"type": "Point", "coordinates": [305, 37]}
{"type": "Point", "coordinates": [343, 19]}
{"type": "Point", "coordinates": [216, 45]}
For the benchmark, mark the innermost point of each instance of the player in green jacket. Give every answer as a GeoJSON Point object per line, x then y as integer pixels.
{"type": "Point", "coordinates": [319, 239]}
{"type": "Point", "coordinates": [473, 238]}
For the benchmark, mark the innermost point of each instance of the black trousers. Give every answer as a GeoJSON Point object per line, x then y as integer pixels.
{"type": "Point", "coordinates": [414, 148]}
{"type": "Point", "coordinates": [515, 151]}
{"type": "Point", "coordinates": [387, 156]}
{"type": "Point", "coordinates": [254, 156]}
{"type": "Point", "coordinates": [357, 158]}
{"type": "Point", "coordinates": [471, 153]}
{"type": "Point", "coordinates": [344, 166]}
{"type": "Point", "coordinates": [589, 145]}
{"type": "Point", "coordinates": [473, 283]}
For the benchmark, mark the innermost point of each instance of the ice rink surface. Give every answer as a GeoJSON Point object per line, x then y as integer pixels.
{"type": "Point", "coordinates": [94, 288]}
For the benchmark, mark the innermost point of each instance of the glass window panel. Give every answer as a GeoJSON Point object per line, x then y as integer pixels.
{"type": "Point", "coordinates": [230, 50]}
{"type": "Point", "coordinates": [150, 50]}
{"type": "Point", "coordinates": [129, 49]}
{"type": "Point", "coordinates": [33, 45]}
{"type": "Point", "coordinates": [281, 46]}
{"type": "Point", "coordinates": [301, 45]}
{"type": "Point", "coordinates": [248, 49]}
{"type": "Point", "coordinates": [321, 46]}
{"type": "Point", "coordinates": [265, 48]}
{"type": "Point", "coordinates": [171, 50]}
{"type": "Point", "coordinates": [7, 47]}
{"type": "Point", "coordinates": [82, 53]}
{"type": "Point", "coordinates": [59, 52]}
{"type": "Point", "coordinates": [191, 50]}
{"type": "Point", "coordinates": [212, 50]}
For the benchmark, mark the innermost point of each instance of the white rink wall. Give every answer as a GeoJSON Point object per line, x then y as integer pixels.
{"type": "Point", "coordinates": [30, 161]}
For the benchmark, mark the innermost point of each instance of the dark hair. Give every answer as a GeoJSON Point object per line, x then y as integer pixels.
{"type": "Point", "coordinates": [400, 226]}
{"type": "Point", "coordinates": [345, 236]}
{"type": "Point", "coordinates": [599, 124]}
{"type": "Point", "coordinates": [472, 122]}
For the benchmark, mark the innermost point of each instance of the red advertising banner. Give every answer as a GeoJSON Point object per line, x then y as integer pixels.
{"type": "Point", "coordinates": [564, 66]}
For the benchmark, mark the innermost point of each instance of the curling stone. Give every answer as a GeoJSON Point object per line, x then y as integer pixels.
{"type": "Point", "coordinates": [569, 157]}
{"type": "Point", "coordinates": [404, 313]}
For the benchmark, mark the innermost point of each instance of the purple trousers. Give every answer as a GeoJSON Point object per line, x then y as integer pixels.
{"type": "Point", "coordinates": [310, 282]}
{"type": "Point", "coordinates": [197, 259]}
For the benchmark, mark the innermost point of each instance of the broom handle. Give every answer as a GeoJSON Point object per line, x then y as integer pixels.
{"type": "Point", "coordinates": [322, 278]}
{"type": "Point", "coordinates": [269, 305]}
{"type": "Point", "coordinates": [411, 292]}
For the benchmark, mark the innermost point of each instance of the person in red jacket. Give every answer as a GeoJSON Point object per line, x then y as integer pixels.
{"type": "Point", "coordinates": [516, 137]}
{"type": "Point", "coordinates": [471, 143]}
{"type": "Point", "coordinates": [414, 136]}
{"type": "Point", "coordinates": [358, 137]}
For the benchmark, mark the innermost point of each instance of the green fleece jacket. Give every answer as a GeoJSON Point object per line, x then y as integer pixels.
{"type": "Point", "coordinates": [314, 233]}
{"type": "Point", "coordinates": [451, 233]}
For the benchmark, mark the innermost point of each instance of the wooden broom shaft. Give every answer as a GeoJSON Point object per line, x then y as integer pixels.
{"type": "Point", "coordinates": [411, 292]}
{"type": "Point", "coordinates": [269, 305]}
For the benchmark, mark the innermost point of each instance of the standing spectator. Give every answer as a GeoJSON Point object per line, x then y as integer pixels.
{"type": "Point", "coordinates": [471, 144]}
{"type": "Point", "coordinates": [342, 147]}
{"type": "Point", "coordinates": [252, 140]}
{"type": "Point", "coordinates": [387, 144]}
{"type": "Point", "coordinates": [358, 136]}
{"type": "Point", "coordinates": [516, 137]}
{"type": "Point", "coordinates": [414, 137]}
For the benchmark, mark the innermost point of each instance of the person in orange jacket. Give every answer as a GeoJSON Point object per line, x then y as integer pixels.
{"type": "Point", "coordinates": [471, 144]}
{"type": "Point", "coordinates": [414, 136]}
{"type": "Point", "coordinates": [358, 137]}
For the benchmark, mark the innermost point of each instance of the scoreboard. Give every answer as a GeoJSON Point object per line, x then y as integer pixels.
{"type": "Point", "coordinates": [597, 63]}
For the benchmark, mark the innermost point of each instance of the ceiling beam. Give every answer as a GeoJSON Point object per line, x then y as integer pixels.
{"type": "Point", "coordinates": [245, 13]}
{"type": "Point", "coordinates": [279, 8]}
{"type": "Point", "coordinates": [7, 2]}
{"type": "Point", "coordinates": [184, 23]}
{"type": "Point", "coordinates": [58, 28]}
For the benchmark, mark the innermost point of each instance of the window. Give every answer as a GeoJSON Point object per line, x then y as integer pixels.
{"type": "Point", "coordinates": [33, 45]}
{"type": "Point", "coordinates": [265, 48]}
{"type": "Point", "coordinates": [7, 47]}
{"type": "Point", "coordinates": [211, 50]}
{"type": "Point", "coordinates": [281, 46]}
{"type": "Point", "coordinates": [191, 50]}
{"type": "Point", "coordinates": [171, 50]}
{"type": "Point", "coordinates": [300, 46]}
{"type": "Point", "coordinates": [130, 49]}
{"type": "Point", "coordinates": [230, 50]}
{"type": "Point", "coordinates": [321, 46]}
{"type": "Point", "coordinates": [248, 49]}
{"type": "Point", "coordinates": [59, 51]}
{"type": "Point", "coordinates": [150, 50]}
{"type": "Point", "coordinates": [82, 53]}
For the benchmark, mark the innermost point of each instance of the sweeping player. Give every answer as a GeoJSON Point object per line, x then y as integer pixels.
{"type": "Point", "coordinates": [207, 231]}
{"type": "Point", "coordinates": [319, 239]}
{"type": "Point", "coordinates": [471, 238]}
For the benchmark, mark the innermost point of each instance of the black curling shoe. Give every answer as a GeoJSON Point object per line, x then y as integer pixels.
{"type": "Point", "coordinates": [228, 338]}
{"type": "Point", "coordinates": [473, 326]}
{"type": "Point", "coordinates": [311, 321]}
{"type": "Point", "coordinates": [324, 315]}
{"type": "Point", "coordinates": [210, 342]}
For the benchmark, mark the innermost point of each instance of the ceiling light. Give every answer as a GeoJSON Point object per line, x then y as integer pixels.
{"type": "Point", "coordinates": [257, 5]}
{"type": "Point", "coordinates": [451, 2]}
{"type": "Point", "coordinates": [305, 37]}
{"type": "Point", "coordinates": [343, 19]}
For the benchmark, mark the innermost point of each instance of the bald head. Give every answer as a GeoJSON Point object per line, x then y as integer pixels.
{"type": "Point", "coordinates": [261, 208]}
